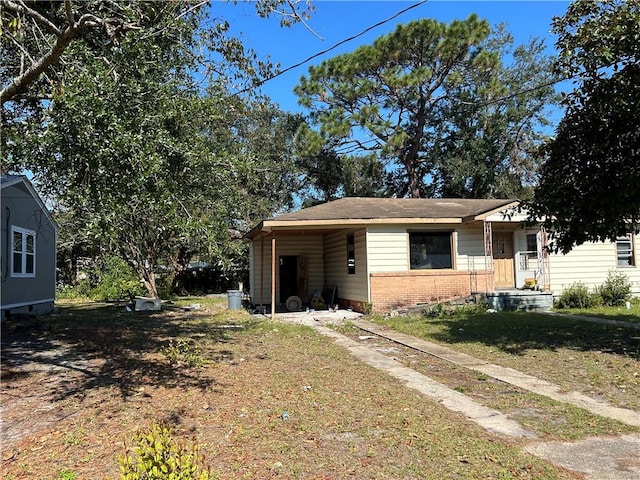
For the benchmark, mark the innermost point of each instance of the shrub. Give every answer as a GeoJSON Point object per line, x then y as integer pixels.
{"type": "Point", "coordinates": [615, 290]}
{"type": "Point", "coordinates": [115, 277]}
{"type": "Point", "coordinates": [158, 457]}
{"type": "Point", "coordinates": [110, 278]}
{"type": "Point", "coordinates": [576, 295]}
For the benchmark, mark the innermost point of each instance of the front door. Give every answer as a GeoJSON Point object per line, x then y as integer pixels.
{"type": "Point", "coordinates": [288, 277]}
{"type": "Point", "coordinates": [503, 264]}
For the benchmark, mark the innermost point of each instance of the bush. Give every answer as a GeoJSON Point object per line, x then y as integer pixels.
{"type": "Point", "coordinates": [110, 278]}
{"type": "Point", "coordinates": [615, 290]}
{"type": "Point", "coordinates": [158, 457]}
{"type": "Point", "coordinates": [577, 295]}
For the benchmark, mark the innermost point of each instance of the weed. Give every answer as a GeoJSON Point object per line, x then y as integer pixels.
{"type": "Point", "coordinates": [74, 438]}
{"type": "Point", "coordinates": [159, 456]}
{"type": "Point", "coordinates": [183, 350]}
{"type": "Point", "coordinates": [66, 475]}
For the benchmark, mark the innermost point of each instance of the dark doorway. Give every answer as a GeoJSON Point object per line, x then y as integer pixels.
{"type": "Point", "coordinates": [288, 277]}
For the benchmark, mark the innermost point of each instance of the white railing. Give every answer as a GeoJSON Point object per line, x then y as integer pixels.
{"type": "Point", "coordinates": [528, 261]}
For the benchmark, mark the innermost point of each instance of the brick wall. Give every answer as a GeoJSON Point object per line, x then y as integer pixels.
{"type": "Point", "coordinates": [393, 290]}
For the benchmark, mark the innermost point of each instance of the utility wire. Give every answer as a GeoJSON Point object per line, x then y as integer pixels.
{"type": "Point", "coordinates": [342, 42]}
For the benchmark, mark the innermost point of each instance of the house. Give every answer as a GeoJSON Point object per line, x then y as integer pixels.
{"type": "Point", "coordinates": [28, 250]}
{"type": "Point", "coordinates": [385, 253]}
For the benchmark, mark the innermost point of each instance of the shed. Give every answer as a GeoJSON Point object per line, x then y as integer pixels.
{"type": "Point", "coordinates": [28, 249]}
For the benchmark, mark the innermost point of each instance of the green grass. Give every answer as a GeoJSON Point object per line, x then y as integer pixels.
{"type": "Point", "coordinates": [596, 359]}
{"type": "Point", "coordinates": [613, 313]}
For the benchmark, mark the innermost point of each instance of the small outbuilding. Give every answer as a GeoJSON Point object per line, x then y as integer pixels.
{"type": "Point", "coordinates": [28, 250]}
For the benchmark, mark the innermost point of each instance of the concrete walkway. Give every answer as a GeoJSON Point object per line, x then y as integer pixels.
{"type": "Point", "coordinates": [602, 458]}
{"type": "Point", "coordinates": [508, 375]}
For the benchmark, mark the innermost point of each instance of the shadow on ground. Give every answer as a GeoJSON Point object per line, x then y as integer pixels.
{"type": "Point", "coordinates": [517, 332]}
{"type": "Point", "coordinates": [102, 345]}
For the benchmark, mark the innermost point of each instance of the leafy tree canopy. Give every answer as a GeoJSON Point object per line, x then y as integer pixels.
{"type": "Point", "coordinates": [142, 139]}
{"type": "Point", "coordinates": [434, 102]}
{"type": "Point", "coordinates": [588, 188]}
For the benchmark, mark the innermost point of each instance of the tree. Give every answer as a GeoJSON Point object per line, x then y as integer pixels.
{"type": "Point", "coordinates": [131, 142]}
{"type": "Point", "coordinates": [327, 174]}
{"type": "Point", "coordinates": [407, 97]}
{"type": "Point", "coordinates": [588, 188]}
{"type": "Point", "coordinates": [496, 124]}
{"type": "Point", "coordinates": [36, 35]}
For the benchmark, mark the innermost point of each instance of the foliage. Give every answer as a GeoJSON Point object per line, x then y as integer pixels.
{"type": "Point", "coordinates": [577, 295]}
{"type": "Point", "coordinates": [108, 278]}
{"type": "Point", "coordinates": [423, 98]}
{"type": "Point", "coordinates": [157, 456]}
{"type": "Point", "coordinates": [183, 351]}
{"type": "Point", "coordinates": [495, 125]}
{"type": "Point", "coordinates": [66, 475]}
{"type": "Point", "coordinates": [39, 39]}
{"type": "Point", "coordinates": [588, 182]}
{"type": "Point", "coordinates": [615, 290]}
{"type": "Point", "coordinates": [144, 144]}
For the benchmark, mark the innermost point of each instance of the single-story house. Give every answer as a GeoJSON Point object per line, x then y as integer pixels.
{"type": "Point", "coordinates": [28, 246]}
{"type": "Point", "coordinates": [384, 253]}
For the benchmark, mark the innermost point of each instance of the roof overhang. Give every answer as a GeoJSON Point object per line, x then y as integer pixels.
{"type": "Point", "coordinates": [484, 215]}
{"type": "Point", "coordinates": [23, 181]}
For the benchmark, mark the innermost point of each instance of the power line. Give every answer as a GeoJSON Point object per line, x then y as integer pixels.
{"type": "Point", "coordinates": [342, 42]}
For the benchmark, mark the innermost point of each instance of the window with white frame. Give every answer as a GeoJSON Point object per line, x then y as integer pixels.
{"type": "Point", "coordinates": [625, 251]}
{"type": "Point", "coordinates": [23, 258]}
{"type": "Point", "coordinates": [430, 250]}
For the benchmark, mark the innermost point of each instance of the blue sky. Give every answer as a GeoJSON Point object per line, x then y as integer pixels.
{"type": "Point", "coordinates": [336, 20]}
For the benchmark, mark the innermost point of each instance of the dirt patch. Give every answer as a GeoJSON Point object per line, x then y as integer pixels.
{"type": "Point", "coordinates": [76, 388]}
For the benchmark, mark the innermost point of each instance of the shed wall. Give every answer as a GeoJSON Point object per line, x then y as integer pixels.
{"type": "Point", "coordinates": [31, 294]}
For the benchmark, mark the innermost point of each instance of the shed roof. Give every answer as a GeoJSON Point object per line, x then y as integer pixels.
{"type": "Point", "coordinates": [361, 210]}
{"type": "Point", "coordinates": [23, 183]}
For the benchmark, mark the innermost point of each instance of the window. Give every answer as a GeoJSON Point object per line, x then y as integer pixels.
{"type": "Point", "coordinates": [624, 251]}
{"type": "Point", "coordinates": [351, 255]}
{"type": "Point", "coordinates": [23, 253]}
{"type": "Point", "coordinates": [430, 250]}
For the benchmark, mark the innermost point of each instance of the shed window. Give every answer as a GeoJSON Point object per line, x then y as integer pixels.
{"type": "Point", "coordinates": [23, 258]}
{"type": "Point", "coordinates": [624, 251]}
{"type": "Point", "coordinates": [430, 250]}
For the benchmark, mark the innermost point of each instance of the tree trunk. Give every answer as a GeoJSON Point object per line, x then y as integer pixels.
{"type": "Point", "coordinates": [146, 276]}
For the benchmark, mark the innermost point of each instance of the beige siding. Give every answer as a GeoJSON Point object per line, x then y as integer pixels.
{"type": "Point", "coordinates": [590, 264]}
{"type": "Point", "coordinates": [350, 286]}
{"type": "Point", "coordinates": [309, 246]}
{"type": "Point", "coordinates": [388, 247]}
{"type": "Point", "coordinates": [470, 249]}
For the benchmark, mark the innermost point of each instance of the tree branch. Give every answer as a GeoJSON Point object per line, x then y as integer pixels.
{"type": "Point", "coordinates": [20, 83]}
{"type": "Point", "coordinates": [20, 7]}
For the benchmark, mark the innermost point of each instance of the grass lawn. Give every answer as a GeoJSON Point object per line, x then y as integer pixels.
{"type": "Point", "coordinates": [599, 360]}
{"type": "Point", "coordinates": [614, 313]}
{"type": "Point", "coordinates": [77, 386]}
